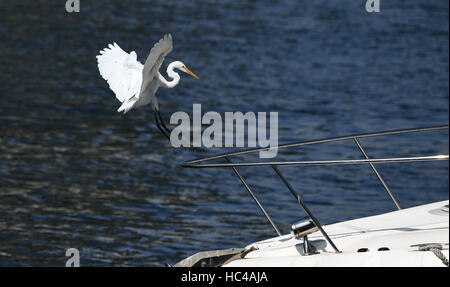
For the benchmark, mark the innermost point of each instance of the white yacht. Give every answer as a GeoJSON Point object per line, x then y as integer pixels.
{"type": "Point", "coordinates": [416, 236]}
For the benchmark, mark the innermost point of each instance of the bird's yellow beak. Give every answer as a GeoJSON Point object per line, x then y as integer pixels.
{"type": "Point", "coordinates": [190, 73]}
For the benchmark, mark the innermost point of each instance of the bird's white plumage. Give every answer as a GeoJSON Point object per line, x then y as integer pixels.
{"type": "Point", "coordinates": [133, 83]}
{"type": "Point", "coordinates": [121, 70]}
{"type": "Point", "coordinates": [152, 79]}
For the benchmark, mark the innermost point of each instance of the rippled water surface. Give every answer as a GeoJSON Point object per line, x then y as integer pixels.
{"type": "Point", "coordinates": [75, 173]}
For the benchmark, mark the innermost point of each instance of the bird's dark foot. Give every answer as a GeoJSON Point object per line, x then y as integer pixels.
{"type": "Point", "coordinates": [160, 124]}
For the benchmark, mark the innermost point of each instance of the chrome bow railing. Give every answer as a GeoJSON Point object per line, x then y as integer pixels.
{"type": "Point", "coordinates": [200, 163]}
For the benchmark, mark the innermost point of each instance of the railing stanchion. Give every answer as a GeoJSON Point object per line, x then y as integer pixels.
{"type": "Point", "coordinates": [377, 173]}
{"type": "Point", "coordinates": [302, 204]}
{"type": "Point", "coordinates": [254, 198]}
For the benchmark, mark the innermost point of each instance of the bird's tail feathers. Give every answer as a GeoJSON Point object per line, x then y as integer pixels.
{"type": "Point", "coordinates": [127, 105]}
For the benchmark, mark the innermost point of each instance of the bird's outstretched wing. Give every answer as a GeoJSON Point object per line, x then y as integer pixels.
{"type": "Point", "coordinates": [121, 70]}
{"type": "Point", "coordinates": [154, 60]}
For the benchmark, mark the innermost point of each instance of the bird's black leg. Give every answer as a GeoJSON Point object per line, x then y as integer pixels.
{"type": "Point", "coordinates": [159, 126]}
{"type": "Point", "coordinates": [162, 123]}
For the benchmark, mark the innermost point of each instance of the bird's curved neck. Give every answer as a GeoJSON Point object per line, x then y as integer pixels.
{"type": "Point", "coordinates": [172, 74]}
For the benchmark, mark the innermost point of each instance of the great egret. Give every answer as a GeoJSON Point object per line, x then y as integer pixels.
{"type": "Point", "coordinates": [135, 84]}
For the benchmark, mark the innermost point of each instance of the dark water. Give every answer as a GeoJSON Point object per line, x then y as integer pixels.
{"type": "Point", "coordinates": [75, 173]}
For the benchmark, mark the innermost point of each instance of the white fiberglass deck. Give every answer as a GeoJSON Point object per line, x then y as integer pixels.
{"type": "Point", "coordinates": [399, 231]}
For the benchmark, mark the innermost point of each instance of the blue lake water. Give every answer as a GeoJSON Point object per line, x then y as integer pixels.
{"type": "Point", "coordinates": [75, 173]}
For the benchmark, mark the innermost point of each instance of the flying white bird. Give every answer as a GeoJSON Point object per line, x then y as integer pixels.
{"type": "Point", "coordinates": [135, 84]}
